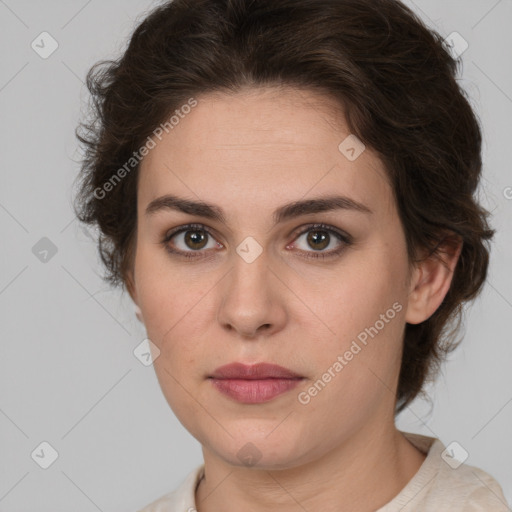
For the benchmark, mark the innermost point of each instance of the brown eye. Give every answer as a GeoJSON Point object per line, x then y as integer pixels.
{"type": "Point", "coordinates": [318, 240]}
{"type": "Point", "coordinates": [320, 237]}
{"type": "Point", "coordinates": [190, 241]}
{"type": "Point", "coordinates": [196, 239]}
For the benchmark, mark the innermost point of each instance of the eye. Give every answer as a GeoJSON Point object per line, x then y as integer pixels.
{"type": "Point", "coordinates": [320, 237]}
{"type": "Point", "coordinates": [190, 240]}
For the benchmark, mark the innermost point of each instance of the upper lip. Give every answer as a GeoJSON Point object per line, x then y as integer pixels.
{"type": "Point", "coordinates": [253, 372]}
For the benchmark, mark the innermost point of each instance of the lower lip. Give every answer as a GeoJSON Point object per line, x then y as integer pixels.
{"type": "Point", "coordinates": [254, 391]}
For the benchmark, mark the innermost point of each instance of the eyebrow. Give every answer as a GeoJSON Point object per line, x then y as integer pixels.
{"type": "Point", "coordinates": [285, 212]}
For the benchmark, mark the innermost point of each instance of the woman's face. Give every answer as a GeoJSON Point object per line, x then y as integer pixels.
{"type": "Point", "coordinates": [251, 287]}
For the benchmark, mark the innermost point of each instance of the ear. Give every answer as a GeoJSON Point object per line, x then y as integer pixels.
{"type": "Point", "coordinates": [130, 287]}
{"type": "Point", "coordinates": [129, 282]}
{"type": "Point", "coordinates": [431, 280]}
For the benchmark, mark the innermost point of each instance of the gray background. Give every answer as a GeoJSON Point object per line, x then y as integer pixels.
{"type": "Point", "coordinates": [68, 375]}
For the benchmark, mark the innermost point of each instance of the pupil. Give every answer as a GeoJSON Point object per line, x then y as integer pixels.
{"type": "Point", "coordinates": [323, 239]}
{"type": "Point", "coordinates": [194, 238]}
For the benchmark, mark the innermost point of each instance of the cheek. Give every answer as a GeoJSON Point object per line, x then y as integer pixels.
{"type": "Point", "coordinates": [355, 371]}
{"type": "Point", "coordinates": [360, 293]}
{"type": "Point", "coordinates": [365, 315]}
{"type": "Point", "coordinates": [167, 293]}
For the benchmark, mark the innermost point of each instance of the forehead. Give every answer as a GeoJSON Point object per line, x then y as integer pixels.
{"type": "Point", "coordinates": [261, 147]}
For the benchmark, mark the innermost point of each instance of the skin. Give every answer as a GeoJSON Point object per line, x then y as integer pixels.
{"type": "Point", "coordinates": [250, 153]}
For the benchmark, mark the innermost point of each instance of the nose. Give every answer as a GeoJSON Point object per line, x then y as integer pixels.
{"type": "Point", "coordinates": [252, 299]}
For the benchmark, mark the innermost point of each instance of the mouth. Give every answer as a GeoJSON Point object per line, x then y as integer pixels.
{"type": "Point", "coordinates": [254, 384]}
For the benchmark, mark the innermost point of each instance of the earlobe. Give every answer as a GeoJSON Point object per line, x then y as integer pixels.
{"type": "Point", "coordinates": [138, 314]}
{"type": "Point", "coordinates": [432, 279]}
{"type": "Point", "coordinates": [130, 287]}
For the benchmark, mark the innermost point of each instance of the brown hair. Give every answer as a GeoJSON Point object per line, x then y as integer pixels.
{"type": "Point", "coordinates": [394, 77]}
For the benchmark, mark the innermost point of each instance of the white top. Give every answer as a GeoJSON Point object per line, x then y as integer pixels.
{"type": "Point", "coordinates": [441, 484]}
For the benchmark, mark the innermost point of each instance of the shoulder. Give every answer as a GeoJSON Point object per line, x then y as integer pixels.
{"type": "Point", "coordinates": [444, 483]}
{"type": "Point", "coordinates": [470, 489]}
{"type": "Point", "coordinates": [181, 499]}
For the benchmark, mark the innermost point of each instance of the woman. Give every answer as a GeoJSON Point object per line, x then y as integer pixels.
{"type": "Point", "coordinates": [286, 189]}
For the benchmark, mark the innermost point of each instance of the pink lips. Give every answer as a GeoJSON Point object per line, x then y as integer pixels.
{"type": "Point", "coordinates": [254, 384]}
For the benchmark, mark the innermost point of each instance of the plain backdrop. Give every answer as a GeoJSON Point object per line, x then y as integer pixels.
{"type": "Point", "coordinates": [68, 374]}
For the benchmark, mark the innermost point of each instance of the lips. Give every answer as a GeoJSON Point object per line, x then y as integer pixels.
{"type": "Point", "coordinates": [257, 371]}
{"type": "Point", "coordinates": [253, 384]}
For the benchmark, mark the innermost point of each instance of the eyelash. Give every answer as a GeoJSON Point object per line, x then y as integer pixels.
{"type": "Point", "coordinates": [341, 236]}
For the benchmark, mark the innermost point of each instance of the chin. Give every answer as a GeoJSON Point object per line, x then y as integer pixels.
{"type": "Point", "coordinates": [259, 450]}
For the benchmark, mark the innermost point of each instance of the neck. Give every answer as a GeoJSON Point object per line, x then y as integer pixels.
{"type": "Point", "coordinates": [338, 481]}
